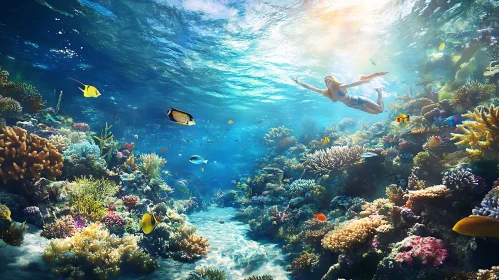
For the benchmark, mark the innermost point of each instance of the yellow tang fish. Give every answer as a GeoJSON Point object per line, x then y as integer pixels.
{"type": "Point", "coordinates": [478, 226]}
{"type": "Point", "coordinates": [441, 47]}
{"type": "Point", "coordinates": [250, 191]}
{"type": "Point", "coordinates": [148, 223]}
{"type": "Point", "coordinates": [180, 117]}
{"type": "Point", "coordinates": [230, 122]}
{"type": "Point", "coordinates": [248, 180]}
{"type": "Point", "coordinates": [89, 91]}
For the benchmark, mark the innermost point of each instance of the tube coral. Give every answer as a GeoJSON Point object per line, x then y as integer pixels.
{"type": "Point", "coordinates": [481, 134]}
{"type": "Point", "coordinates": [24, 156]}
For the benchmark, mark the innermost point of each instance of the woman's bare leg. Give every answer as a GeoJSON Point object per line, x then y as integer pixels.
{"type": "Point", "coordinates": [370, 106]}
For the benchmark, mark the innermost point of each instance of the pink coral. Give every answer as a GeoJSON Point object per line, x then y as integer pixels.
{"type": "Point", "coordinates": [131, 201]}
{"type": "Point", "coordinates": [114, 220]}
{"type": "Point", "coordinates": [428, 250]}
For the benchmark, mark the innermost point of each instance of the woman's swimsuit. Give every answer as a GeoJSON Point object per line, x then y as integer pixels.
{"type": "Point", "coordinates": [351, 101]}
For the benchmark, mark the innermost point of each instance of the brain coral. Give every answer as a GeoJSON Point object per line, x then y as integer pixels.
{"type": "Point", "coordinates": [23, 156]}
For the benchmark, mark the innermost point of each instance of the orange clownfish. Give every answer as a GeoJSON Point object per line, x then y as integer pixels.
{"type": "Point", "coordinates": [320, 217]}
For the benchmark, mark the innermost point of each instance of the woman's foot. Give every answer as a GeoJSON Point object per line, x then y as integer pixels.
{"type": "Point", "coordinates": [379, 90]}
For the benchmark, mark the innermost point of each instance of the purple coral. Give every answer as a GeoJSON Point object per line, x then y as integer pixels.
{"type": "Point", "coordinates": [427, 250]}
{"type": "Point", "coordinates": [490, 204]}
{"type": "Point", "coordinates": [462, 178]}
{"type": "Point", "coordinates": [131, 201]}
{"type": "Point", "coordinates": [79, 222]}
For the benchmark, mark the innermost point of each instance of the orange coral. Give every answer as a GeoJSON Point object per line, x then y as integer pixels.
{"type": "Point", "coordinates": [192, 246]}
{"type": "Point", "coordinates": [23, 156]}
{"type": "Point", "coordinates": [353, 232]}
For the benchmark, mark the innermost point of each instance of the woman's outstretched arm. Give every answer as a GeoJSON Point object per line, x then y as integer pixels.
{"type": "Point", "coordinates": [307, 86]}
{"type": "Point", "coordinates": [356, 84]}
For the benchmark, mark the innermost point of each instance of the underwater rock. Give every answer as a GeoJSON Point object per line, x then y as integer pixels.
{"type": "Point", "coordinates": [16, 204]}
{"type": "Point", "coordinates": [296, 202]}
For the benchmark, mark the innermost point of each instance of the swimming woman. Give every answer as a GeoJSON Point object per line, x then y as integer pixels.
{"type": "Point", "coordinates": [337, 91]}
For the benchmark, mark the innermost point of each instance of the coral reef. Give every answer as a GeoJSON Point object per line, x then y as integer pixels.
{"type": "Point", "coordinates": [276, 135]}
{"type": "Point", "coordinates": [27, 156]}
{"type": "Point", "coordinates": [304, 263]}
{"type": "Point", "coordinates": [428, 193]}
{"type": "Point", "coordinates": [352, 233]}
{"type": "Point", "coordinates": [95, 252]}
{"type": "Point", "coordinates": [472, 94]}
{"type": "Point", "coordinates": [114, 222]}
{"type": "Point", "coordinates": [207, 273]}
{"type": "Point", "coordinates": [333, 159]}
{"type": "Point", "coordinates": [481, 134]}
{"type": "Point", "coordinates": [490, 205]}
{"type": "Point", "coordinates": [60, 142]}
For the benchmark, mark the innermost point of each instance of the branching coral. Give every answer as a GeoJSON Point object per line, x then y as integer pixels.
{"type": "Point", "coordinates": [333, 159]}
{"type": "Point", "coordinates": [275, 135]}
{"type": "Point", "coordinates": [93, 250]}
{"type": "Point", "coordinates": [300, 187]}
{"type": "Point", "coordinates": [305, 263]}
{"type": "Point", "coordinates": [60, 142]}
{"type": "Point", "coordinates": [471, 94]}
{"type": "Point", "coordinates": [395, 194]}
{"type": "Point", "coordinates": [207, 273]}
{"type": "Point", "coordinates": [61, 228]}
{"type": "Point", "coordinates": [190, 245]}
{"type": "Point", "coordinates": [24, 156]}
{"type": "Point", "coordinates": [88, 195]}
{"type": "Point", "coordinates": [352, 233]}
{"type": "Point", "coordinates": [14, 234]}
{"type": "Point", "coordinates": [481, 134]}
{"type": "Point", "coordinates": [150, 165]}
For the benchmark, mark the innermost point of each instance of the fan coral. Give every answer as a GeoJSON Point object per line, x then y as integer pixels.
{"type": "Point", "coordinates": [131, 201]}
{"type": "Point", "coordinates": [93, 250]}
{"type": "Point", "coordinates": [60, 142]}
{"type": "Point", "coordinates": [471, 94]}
{"type": "Point", "coordinates": [88, 195]}
{"type": "Point", "coordinates": [303, 264]}
{"type": "Point", "coordinates": [27, 156]}
{"type": "Point", "coordinates": [352, 232]}
{"type": "Point", "coordinates": [345, 124]}
{"type": "Point", "coordinates": [427, 250]}
{"type": "Point", "coordinates": [9, 107]}
{"type": "Point", "coordinates": [428, 193]}
{"type": "Point", "coordinates": [207, 273]}
{"type": "Point", "coordinates": [333, 159]}
{"type": "Point", "coordinates": [489, 205]}
{"type": "Point", "coordinates": [481, 134]}
{"type": "Point", "coordinates": [150, 165]}
{"type": "Point", "coordinates": [61, 228]}
{"type": "Point", "coordinates": [300, 187]}
{"type": "Point", "coordinates": [395, 194]}
{"type": "Point", "coordinates": [275, 135]}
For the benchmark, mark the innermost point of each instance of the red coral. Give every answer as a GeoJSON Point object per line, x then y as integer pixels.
{"type": "Point", "coordinates": [129, 147]}
{"type": "Point", "coordinates": [131, 201]}
{"type": "Point", "coordinates": [81, 126]}
{"type": "Point", "coordinates": [428, 250]}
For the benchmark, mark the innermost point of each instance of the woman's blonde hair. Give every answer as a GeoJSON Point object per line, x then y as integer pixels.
{"type": "Point", "coordinates": [335, 81]}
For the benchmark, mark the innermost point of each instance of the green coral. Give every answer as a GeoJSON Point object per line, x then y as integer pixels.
{"type": "Point", "coordinates": [150, 165]}
{"type": "Point", "coordinates": [107, 145]}
{"type": "Point", "coordinates": [88, 195]}
{"type": "Point", "coordinates": [204, 273]}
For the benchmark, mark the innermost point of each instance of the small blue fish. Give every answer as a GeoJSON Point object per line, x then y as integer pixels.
{"type": "Point", "coordinates": [367, 155]}
{"type": "Point", "coordinates": [198, 159]}
{"type": "Point", "coordinates": [455, 120]}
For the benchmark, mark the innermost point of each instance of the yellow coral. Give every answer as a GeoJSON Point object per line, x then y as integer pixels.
{"type": "Point", "coordinates": [395, 194]}
{"type": "Point", "coordinates": [88, 195]}
{"type": "Point", "coordinates": [374, 206]}
{"type": "Point", "coordinates": [150, 165]}
{"type": "Point", "coordinates": [60, 142]}
{"type": "Point", "coordinates": [481, 134]}
{"type": "Point", "coordinates": [428, 193]}
{"type": "Point", "coordinates": [352, 232]}
{"type": "Point", "coordinates": [192, 246]}
{"type": "Point", "coordinates": [94, 250]}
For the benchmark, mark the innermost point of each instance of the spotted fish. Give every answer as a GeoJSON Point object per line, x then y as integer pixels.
{"type": "Point", "coordinates": [180, 117]}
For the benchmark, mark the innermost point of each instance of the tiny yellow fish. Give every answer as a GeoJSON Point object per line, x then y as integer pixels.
{"type": "Point", "coordinates": [238, 184]}
{"type": "Point", "coordinates": [325, 140]}
{"type": "Point", "coordinates": [478, 226]}
{"type": "Point", "coordinates": [403, 118]}
{"type": "Point", "coordinates": [148, 223]}
{"type": "Point", "coordinates": [88, 91]}
{"type": "Point", "coordinates": [441, 47]}
{"type": "Point", "coordinates": [248, 180]}
{"type": "Point", "coordinates": [202, 169]}
{"type": "Point", "coordinates": [230, 122]}
{"type": "Point", "coordinates": [250, 191]}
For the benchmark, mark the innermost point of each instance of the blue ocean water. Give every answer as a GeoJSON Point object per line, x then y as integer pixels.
{"type": "Point", "coordinates": [232, 60]}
